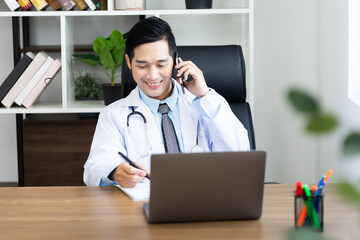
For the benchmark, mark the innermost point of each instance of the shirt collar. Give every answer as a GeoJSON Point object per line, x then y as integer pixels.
{"type": "Point", "coordinates": [153, 104]}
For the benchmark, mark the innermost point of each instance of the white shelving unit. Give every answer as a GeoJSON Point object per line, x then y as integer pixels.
{"type": "Point", "coordinates": [66, 19]}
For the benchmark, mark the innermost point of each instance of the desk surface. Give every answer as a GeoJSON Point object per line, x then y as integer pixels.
{"type": "Point", "coordinates": [107, 213]}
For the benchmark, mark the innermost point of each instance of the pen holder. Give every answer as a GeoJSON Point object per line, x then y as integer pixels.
{"type": "Point", "coordinates": [309, 212]}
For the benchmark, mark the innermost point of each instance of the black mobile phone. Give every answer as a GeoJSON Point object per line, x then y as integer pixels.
{"type": "Point", "coordinates": [175, 72]}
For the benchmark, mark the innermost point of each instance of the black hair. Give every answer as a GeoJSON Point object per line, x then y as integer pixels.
{"type": "Point", "coordinates": [150, 30]}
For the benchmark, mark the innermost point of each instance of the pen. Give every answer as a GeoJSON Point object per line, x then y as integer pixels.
{"type": "Point", "coordinates": [310, 207]}
{"type": "Point", "coordinates": [132, 163]}
{"type": "Point", "coordinates": [320, 186]}
{"type": "Point", "coordinates": [302, 217]}
{"type": "Point", "coordinates": [322, 183]}
{"type": "Point", "coordinates": [313, 190]}
{"type": "Point", "coordinates": [303, 213]}
{"type": "Point", "coordinates": [327, 176]}
{"type": "Point", "coordinates": [299, 190]}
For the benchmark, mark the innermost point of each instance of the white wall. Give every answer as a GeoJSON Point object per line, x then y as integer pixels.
{"type": "Point", "coordinates": [285, 56]}
{"type": "Point", "coordinates": [297, 43]}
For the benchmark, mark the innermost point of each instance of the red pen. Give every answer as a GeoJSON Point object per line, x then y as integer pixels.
{"type": "Point", "coordinates": [299, 190]}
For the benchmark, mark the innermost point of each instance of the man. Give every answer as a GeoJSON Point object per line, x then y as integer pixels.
{"type": "Point", "coordinates": [201, 118]}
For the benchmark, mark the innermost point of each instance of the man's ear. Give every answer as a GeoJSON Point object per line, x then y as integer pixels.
{"type": "Point", "coordinates": [128, 61]}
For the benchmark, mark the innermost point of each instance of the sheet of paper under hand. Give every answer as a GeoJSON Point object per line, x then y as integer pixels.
{"type": "Point", "coordinates": [139, 193]}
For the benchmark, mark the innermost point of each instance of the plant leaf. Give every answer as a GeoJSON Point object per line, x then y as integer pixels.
{"type": "Point", "coordinates": [118, 54]}
{"type": "Point", "coordinates": [90, 59]}
{"type": "Point", "coordinates": [116, 38]}
{"type": "Point", "coordinates": [351, 145]}
{"type": "Point", "coordinates": [302, 101]}
{"type": "Point", "coordinates": [99, 44]}
{"type": "Point", "coordinates": [305, 233]}
{"type": "Point", "coordinates": [109, 44]}
{"type": "Point", "coordinates": [106, 59]}
{"type": "Point", "coordinates": [321, 123]}
{"type": "Point", "coordinates": [351, 193]}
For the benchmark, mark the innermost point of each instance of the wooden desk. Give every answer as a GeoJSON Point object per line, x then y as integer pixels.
{"type": "Point", "coordinates": [107, 213]}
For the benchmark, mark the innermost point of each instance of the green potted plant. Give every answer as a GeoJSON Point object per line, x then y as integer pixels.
{"type": "Point", "coordinates": [109, 54]}
{"type": "Point", "coordinates": [86, 86]}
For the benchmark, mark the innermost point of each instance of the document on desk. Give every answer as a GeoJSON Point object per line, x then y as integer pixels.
{"type": "Point", "coordinates": [139, 193]}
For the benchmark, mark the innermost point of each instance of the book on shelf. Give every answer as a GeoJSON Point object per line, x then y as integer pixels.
{"type": "Point", "coordinates": [54, 4]}
{"type": "Point", "coordinates": [39, 4]}
{"type": "Point", "coordinates": [90, 4]}
{"type": "Point", "coordinates": [120, 5]}
{"type": "Point", "coordinates": [100, 4]}
{"type": "Point", "coordinates": [24, 79]}
{"type": "Point", "coordinates": [80, 4]}
{"type": "Point", "coordinates": [135, 4]}
{"type": "Point", "coordinates": [34, 80]}
{"type": "Point", "coordinates": [24, 4]}
{"type": "Point", "coordinates": [103, 4]}
{"type": "Point", "coordinates": [12, 4]}
{"type": "Point", "coordinates": [97, 4]}
{"type": "Point", "coordinates": [67, 4]}
{"type": "Point", "coordinates": [42, 84]}
{"type": "Point", "coordinates": [15, 74]}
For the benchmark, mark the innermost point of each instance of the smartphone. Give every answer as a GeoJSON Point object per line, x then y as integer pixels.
{"type": "Point", "coordinates": [176, 71]}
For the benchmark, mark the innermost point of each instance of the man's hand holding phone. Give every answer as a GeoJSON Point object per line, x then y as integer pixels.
{"type": "Point", "coordinates": [197, 85]}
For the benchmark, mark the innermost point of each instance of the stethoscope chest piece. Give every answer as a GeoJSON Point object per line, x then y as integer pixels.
{"type": "Point", "coordinates": [197, 149]}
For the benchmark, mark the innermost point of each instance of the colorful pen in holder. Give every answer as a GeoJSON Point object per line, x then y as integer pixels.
{"type": "Point", "coordinates": [306, 213]}
{"type": "Point", "coordinates": [309, 204]}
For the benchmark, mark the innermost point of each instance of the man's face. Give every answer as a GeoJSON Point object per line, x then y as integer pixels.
{"type": "Point", "coordinates": [152, 68]}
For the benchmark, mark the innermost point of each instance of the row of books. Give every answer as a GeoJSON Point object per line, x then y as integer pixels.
{"type": "Point", "coordinates": [27, 81]}
{"type": "Point", "coordinates": [56, 4]}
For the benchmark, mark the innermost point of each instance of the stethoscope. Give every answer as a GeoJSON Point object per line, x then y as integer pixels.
{"type": "Point", "coordinates": [133, 112]}
{"type": "Point", "coordinates": [196, 148]}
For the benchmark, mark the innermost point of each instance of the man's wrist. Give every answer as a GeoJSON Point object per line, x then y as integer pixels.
{"type": "Point", "coordinates": [203, 94]}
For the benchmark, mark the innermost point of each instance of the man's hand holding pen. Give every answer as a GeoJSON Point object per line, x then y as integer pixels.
{"type": "Point", "coordinates": [128, 176]}
{"type": "Point", "coordinates": [128, 173]}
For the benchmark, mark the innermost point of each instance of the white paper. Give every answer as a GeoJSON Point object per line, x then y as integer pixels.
{"type": "Point", "coordinates": [139, 193]}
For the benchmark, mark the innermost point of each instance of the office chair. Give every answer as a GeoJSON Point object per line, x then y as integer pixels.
{"type": "Point", "coordinates": [224, 71]}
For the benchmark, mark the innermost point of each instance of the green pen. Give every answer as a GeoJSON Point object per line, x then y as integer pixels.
{"type": "Point", "coordinates": [310, 207]}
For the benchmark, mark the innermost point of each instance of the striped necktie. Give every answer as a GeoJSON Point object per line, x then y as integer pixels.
{"type": "Point", "coordinates": [167, 126]}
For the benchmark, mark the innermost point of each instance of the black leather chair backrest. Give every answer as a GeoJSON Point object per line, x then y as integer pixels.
{"type": "Point", "coordinates": [224, 71]}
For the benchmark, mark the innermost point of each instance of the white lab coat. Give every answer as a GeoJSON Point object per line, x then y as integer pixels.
{"type": "Point", "coordinates": [223, 133]}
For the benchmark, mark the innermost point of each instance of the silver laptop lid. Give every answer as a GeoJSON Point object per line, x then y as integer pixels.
{"type": "Point", "coordinates": [206, 186]}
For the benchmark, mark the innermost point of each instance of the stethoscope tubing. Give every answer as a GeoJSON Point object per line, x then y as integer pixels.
{"type": "Point", "coordinates": [133, 113]}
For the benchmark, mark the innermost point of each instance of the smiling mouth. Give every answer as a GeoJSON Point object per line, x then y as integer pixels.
{"type": "Point", "coordinates": [153, 85]}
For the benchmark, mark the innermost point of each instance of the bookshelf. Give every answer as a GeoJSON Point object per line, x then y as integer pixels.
{"type": "Point", "coordinates": [234, 18]}
{"type": "Point", "coordinates": [68, 46]}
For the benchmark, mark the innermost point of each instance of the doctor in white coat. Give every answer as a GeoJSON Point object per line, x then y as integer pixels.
{"type": "Point", "coordinates": [202, 119]}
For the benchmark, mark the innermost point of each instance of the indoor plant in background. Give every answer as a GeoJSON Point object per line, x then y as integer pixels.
{"type": "Point", "coordinates": [109, 54]}
{"type": "Point", "coordinates": [86, 86]}
{"type": "Point", "coordinates": [320, 122]}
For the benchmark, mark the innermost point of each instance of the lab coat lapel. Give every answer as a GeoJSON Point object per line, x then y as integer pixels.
{"type": "Point", "coordinates": [156, 143]}
{"type": "Point", "coordinates": [188, 121]}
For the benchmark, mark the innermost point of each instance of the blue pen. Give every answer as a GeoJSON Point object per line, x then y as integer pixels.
{"type": "Point", "coordinates": [320, 186]}
{"type": "Point", "coordinates": [318, 192]}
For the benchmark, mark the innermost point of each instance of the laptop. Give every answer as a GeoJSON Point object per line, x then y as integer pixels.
{"type": "Point", "coordinates": [189, 187]}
